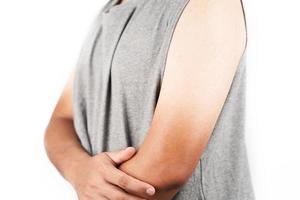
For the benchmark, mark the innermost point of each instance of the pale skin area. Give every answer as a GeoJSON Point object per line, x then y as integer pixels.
{"type": "Point", "coordinates": [208, 42]}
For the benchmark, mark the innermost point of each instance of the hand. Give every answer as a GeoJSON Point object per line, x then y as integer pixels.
{"type": "Point", "coordinates": [98, 177]}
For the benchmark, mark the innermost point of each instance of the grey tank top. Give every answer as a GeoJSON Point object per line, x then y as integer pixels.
{"type": "Point", "coordinates": [116, 86]}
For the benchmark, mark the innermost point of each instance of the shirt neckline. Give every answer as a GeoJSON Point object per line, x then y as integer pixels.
{"type": "Point", "coordinates": [115, 6]}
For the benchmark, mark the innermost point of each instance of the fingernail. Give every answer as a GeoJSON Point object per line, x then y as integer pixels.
{"type": "Point", "coordinates": [150, 191]}
{"type": "Point", "coordinates": [130, 149]}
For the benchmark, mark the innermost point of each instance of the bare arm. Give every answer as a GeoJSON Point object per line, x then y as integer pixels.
{"type": "Point", "coordinates": [206, 48]}
{"type": "Point", "coordinates": [61, 143]}
{"type": "Point", "coordinates": [93, 177]}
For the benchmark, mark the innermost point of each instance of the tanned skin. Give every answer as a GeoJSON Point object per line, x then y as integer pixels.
{"type": "Point", "coordinates": [207, 45]}
{"type": "Point", "coordinates": [93, 177]}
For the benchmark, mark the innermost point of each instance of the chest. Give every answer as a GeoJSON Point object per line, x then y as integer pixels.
{"type": "Point", "coordinates": [128, 47]}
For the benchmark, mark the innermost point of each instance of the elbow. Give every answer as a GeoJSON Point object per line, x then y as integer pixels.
{"type": "Point", "coordinates": [169, 178]}
{"type": "Point", "coordinates": [169, 185]}
{"type": "Point", "coordinates": [163, 176]}
{"type": "Point", "coordinates": [162, 173]}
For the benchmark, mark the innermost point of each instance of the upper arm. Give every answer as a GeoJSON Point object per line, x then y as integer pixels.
{"type": "Point", "coordinates": [206, 48]}
{"type": "Point", "coordinates": [63, 106]}
{"type": "Point", "coordinates": [207, 45]}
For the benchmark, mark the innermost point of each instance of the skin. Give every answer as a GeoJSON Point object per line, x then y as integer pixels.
{"type": "Point", "coordinates": [93, 177]}
{"type": "Point", "coordinates": [208, 42]}
{"type": "Point", "coordinates": [207, 45]}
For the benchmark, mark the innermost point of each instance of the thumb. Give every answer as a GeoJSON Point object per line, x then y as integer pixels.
{"type": "Point", "coordinates": [121, 156]}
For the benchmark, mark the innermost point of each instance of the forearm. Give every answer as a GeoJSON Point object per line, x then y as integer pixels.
{"type": "Point", "coordinates": [63, 147]}
{"type": "Point", "coordinates": [152, 172]}
{"type": "Point", "coordinates": [167, 157]}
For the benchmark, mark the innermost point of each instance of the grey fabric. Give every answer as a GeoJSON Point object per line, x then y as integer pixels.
{"type": "Point", "coordinates": [116, 86]}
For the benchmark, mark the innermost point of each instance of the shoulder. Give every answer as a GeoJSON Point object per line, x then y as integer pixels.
{"type": "Point", "coordinates": [206, 46]}
{"type": "Point", "coordinates": [215, 19]}
{"type": "Point", "coordinates": [209, 29]}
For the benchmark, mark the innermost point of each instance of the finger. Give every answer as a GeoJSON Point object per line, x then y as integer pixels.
{"type": "Point", "coordinates": [122, 155]}
{"type": "Point", "coordinates": [114, 192]}
{"type": "Point", "coordinates": [129, 183]}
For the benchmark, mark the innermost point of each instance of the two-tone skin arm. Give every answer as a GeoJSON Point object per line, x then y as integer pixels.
{"type": "Point", "coordinates": [207, 45]}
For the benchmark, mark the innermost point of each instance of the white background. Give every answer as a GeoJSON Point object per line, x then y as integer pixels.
{"type": "Point", "coordinates": [39, 46]}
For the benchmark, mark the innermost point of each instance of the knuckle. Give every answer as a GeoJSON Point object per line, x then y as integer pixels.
{"type": "Point", "coordinates": [103, 177]}
{"type": "Point", "coordinates": [141, 190]}
{"type": "Point", "coordinates": [123, 181]}
{"type": "Point", "coordinates": [92, 186]}
{"type": "Point", "coordinates": [100, 170]}
{"type": "Point", "coordinates": [104, 173]}
{"type": "Point", "coordinates": [104, 159]}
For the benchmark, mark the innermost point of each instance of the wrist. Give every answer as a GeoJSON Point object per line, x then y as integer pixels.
{"type": "Point", "coordinates": [76, 158]}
